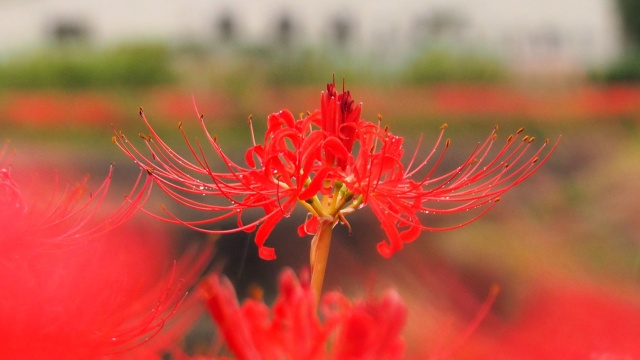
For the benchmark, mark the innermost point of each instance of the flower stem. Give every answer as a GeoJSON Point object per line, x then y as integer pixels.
{"type": "Point", "coordinates": [319, 254]}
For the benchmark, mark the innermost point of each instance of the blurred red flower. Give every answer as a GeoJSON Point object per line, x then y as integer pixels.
{"type": "Point", "coordinates": [560, 320]}
{"type": "Point", "coordinates": [75, 283]}
{"type": "Point", "coordinates": [292, 328]}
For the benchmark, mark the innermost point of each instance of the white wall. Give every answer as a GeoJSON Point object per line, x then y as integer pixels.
{"type": "Point", "coordinates": [576, 32]}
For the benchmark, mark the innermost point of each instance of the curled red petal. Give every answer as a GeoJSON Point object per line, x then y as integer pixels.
{"type": "Point", "coordinates": [254, 150]}
{"type": "Point", "coordinates": [275, 121]}
{"type": "Point", "coordinates": [412, 232]}
{"type": "Point", "coordinates": [335, 147]}
{"type": "Point", "coordinates": [393, 243]}
{"type": "Point", "coordinates": [309, 227]}
{"type": "Point", "coordinates": [315, 185]}
{"type": "Point", "coordinates": [267, 253]}
{"type": "Point", "coordinates": [386, 249]}
{"type": "Point", "coordinates": [263, 232]}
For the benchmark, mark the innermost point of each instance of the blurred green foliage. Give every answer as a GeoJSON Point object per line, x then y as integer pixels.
{"type": "Point", "coordinates": [629, 10]}
{"type": "Point", "coordinates": [275, 66]}
{"type": "Point", "coordinates": [440, 65]}
{"type": "Point", "coordinates": [310, 66]}
{"type": "Point", "coordinates": [625, 69]}
{"type": "Point", "coordinates": [144, 65]}
{"type": "Point", "coordinates": [130, 66]}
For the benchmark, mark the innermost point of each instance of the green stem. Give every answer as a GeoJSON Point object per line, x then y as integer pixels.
{"type": "Point", "coordinates": [319, 254]}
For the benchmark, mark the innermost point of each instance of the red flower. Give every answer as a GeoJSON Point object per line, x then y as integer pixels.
{"type": "Point", "coordinates": [292, 328]}
{"type": "Point", "coordinates": [559, 320]}
{"type": "Point", "coordinates": [332, 163]}
{"type": "Point", "coordinates": [43, 214]}
{"type": "Point", "coordinates": [73, 285]}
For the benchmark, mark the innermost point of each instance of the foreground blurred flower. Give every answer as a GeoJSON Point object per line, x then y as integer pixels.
{"type": "Point", "coordinates": [565, 320]}
{"type": "Point", "coordinates": [332, 162]}
{"type": "Point", "coordinates": [43, 214]}
{"type": "Point", "coordinates": [292, 329]}
{"type": "Point", "coordinates": [74, 286]}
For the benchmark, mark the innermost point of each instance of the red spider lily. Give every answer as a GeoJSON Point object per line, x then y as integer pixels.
{"type": "Point", "coordinates": [45, 214]}
{"type": "Point", "coordinates": [366, 329]}
{"type": "Point", "coordinates": [332, 163]}
{"type": "Point", "coordinates": [74, 286]}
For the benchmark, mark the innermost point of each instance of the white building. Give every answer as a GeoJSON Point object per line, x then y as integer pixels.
{"type": "Point", "coordinates": [570, 33]}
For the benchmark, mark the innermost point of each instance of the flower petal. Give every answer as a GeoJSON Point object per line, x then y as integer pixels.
{"type": "Point", "coordinates": [267, 253]}
{"type": "Point", "coordinates": [315, 185]}
{"type": "Point", "coordinates": [335, 147]}
{"type": "Point", "coordinates": [309, 227]}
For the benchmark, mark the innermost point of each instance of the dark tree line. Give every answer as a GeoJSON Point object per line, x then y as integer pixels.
{"type": "Point", "coordinates": [630, 16]}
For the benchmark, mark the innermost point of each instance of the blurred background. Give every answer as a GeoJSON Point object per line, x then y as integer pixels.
{"type": "Point", "coordinates": [564, 247]}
